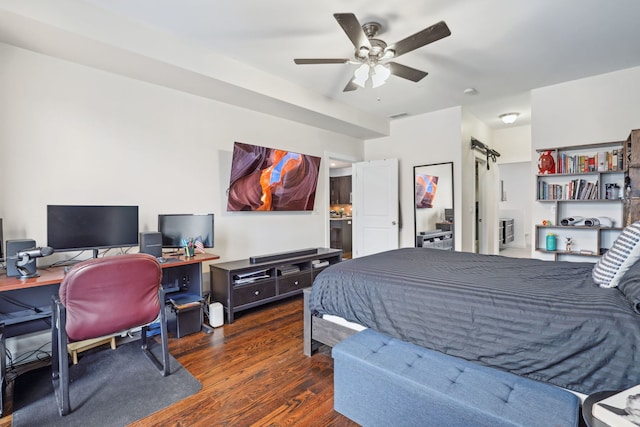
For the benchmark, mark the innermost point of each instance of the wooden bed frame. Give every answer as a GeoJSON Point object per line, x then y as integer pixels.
{"type": "Point", "coordinates": [318, 331]}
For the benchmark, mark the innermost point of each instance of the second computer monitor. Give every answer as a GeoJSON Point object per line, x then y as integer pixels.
{"type": "Point", "coordinates": [177, 229]}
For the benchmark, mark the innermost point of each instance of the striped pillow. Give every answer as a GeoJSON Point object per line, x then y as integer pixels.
{"type": "Point", "coordinates": [616, 261]}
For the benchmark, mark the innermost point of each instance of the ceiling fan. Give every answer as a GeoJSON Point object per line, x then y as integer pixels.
{"type": "Point", "coordinates": [374, 54]}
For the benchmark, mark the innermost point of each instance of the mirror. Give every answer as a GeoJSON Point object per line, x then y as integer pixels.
{"type": "Point", "coordinates": [433, 206]}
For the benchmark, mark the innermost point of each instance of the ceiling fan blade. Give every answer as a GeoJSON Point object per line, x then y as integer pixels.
{"type": "Point", "coordinates": [350, 86]}
{"type": "Point", "coordinates": [421, 38]}
{"type": "Point", "coordinates": [352, 27]}
{"type": "Point", "coordinates": [321, 61]}
{"type": "Point", "coordinates": [406, 72]}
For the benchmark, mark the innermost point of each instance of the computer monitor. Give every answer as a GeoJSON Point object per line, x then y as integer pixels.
{"type": "Point", "coordinates": [81, 227]}
{"type": "Point", "coordinates": [178, 228]}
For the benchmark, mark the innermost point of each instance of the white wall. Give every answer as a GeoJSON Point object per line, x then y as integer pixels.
{"type": "Point", "coordinates": [488, 188]}
{"type": "Point", "coordinates": [70, 134]}
{"type": "Point", "coordinates": [519, 196]}
{"type": "Point", "coordinates": [515, 168]}
{"type": "Point", "coordinates": [420, 140]}
{"type": "Point", "coordinates": [513, 144]}
{"type": "Point", "coordinates": [603, 108]}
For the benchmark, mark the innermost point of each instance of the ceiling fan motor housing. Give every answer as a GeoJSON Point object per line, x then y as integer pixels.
{"type": "Point", "coordinates": [377, 50]}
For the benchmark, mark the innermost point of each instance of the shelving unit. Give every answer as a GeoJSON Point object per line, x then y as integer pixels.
{"type": "Point", "coordinates": [586, 181]}
{"type": "Point", "coordinates": [632, 176]}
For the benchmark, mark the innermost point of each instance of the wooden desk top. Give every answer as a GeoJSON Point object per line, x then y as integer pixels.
{"type": "Point", "coordinates": [54, 275]}
{"type": "Point", "coordinates": [191, 260]}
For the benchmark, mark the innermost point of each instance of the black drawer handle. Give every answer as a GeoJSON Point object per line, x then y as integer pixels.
{"type": "Point", "coordinates": [256, 293]}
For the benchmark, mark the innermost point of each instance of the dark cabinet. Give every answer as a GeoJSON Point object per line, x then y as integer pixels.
{"type": "Point", "coordinates": [340, 234]}
{"type": "Point", "coordinates": [243, 284]}
{"type": "Point", "coordinates": [340, 188]}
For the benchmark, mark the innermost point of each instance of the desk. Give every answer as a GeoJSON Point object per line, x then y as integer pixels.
{"type": "Point", "coordinates": [25, 304]}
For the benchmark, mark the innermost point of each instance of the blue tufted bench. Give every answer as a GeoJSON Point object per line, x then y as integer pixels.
{"type": "Point", "coordinates": [382, 381]}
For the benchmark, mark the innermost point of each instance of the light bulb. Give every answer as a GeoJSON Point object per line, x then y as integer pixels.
{"type": "Point", "coordinates": [361, 75]}
{"type": "Point", "coordinates": [380, 75]}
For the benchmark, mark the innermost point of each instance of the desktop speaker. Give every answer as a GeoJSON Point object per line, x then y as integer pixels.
{"type": "Point", "coordinates": [13, 247]}
{"type": "Point", "coordinates": [151, 243]}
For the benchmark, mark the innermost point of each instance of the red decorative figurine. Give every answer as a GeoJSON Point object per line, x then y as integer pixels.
{"type": "Point", "coordinates": [546, 164]}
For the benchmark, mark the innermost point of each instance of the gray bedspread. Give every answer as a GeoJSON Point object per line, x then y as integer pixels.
{"type": "Point", "coordinates": [540, 319]}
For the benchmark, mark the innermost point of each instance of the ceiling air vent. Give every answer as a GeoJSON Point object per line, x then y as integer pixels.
{"type": "Point", "coordinates": [398, 115]}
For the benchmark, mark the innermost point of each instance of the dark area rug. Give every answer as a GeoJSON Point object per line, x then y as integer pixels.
{"type": "Point", "coordinates": [108, 388]}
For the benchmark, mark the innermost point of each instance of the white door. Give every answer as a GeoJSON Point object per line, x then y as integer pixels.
{"type": "Point", "coordinates": [375, 207]}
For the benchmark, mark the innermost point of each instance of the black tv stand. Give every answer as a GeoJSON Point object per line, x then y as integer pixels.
{"type": "Point", "coordinates": [243, 284]}
{"type": "Point", "coordinates": [282, 255]}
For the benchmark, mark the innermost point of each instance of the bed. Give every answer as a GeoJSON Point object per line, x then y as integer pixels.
{"type": "Point", "coordinates": [544, 320]}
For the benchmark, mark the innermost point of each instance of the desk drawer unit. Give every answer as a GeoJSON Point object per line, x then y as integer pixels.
{"type": "Point", "coordinates": [293, 282]}
{"type": "Point", "coordinates": [247, 294]}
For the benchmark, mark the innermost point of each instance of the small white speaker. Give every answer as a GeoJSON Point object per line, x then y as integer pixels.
{"type": "Point", "coordinates": [216, 314]}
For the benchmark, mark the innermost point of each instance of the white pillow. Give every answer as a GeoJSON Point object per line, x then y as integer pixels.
{"type": "Point", "coordinates": [616, 261]}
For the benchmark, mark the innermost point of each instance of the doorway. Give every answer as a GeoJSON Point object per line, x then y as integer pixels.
{"type": "Point", "coordinates": [340, 204]}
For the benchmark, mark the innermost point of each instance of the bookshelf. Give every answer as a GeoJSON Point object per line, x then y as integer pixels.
{"type": "Point", "coordinates": [584, 182]}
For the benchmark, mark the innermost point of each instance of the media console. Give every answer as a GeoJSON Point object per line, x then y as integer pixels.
{"type": "Point", "coordinates": [244, 284]}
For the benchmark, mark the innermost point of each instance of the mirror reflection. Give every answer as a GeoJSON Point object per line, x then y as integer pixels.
{"type": "Point", "coordinates": [433, 206]}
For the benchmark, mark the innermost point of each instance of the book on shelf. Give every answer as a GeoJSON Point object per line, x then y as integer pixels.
{"type": "Point", "coordinates": [602, 161]}
{"type": "Point", "coordinates": [619, 409]}
{"type": "Point", "coordinates": [576, 189]}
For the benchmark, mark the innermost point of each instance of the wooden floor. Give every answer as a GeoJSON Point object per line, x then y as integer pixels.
{"type": "Point", "coordinates": [253, 373]}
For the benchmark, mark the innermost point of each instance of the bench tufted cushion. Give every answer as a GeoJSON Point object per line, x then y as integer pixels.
{"type": "Point", "coordinates": [381, 381]}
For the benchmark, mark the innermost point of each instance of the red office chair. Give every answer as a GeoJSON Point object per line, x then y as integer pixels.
{"type": "Point", "coordinates": [106, 296]}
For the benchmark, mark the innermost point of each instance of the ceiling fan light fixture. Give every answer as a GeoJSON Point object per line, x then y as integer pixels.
{"type": "Point", "coordinates": [388, 54]}
{"type": "Point", "coordinates": [369, 51]}
{"type": "Point", "coordinates": [362, 52]}
{"type": "Point", "coordinates": [509, 118]}
{"type": "Point", "coordinates": [380, 75]}
{"type": "Point", "coordinates": [361, 75]}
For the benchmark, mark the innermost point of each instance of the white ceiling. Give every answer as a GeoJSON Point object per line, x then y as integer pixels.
{"type": "Point", "coordinates": [501, 48]}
